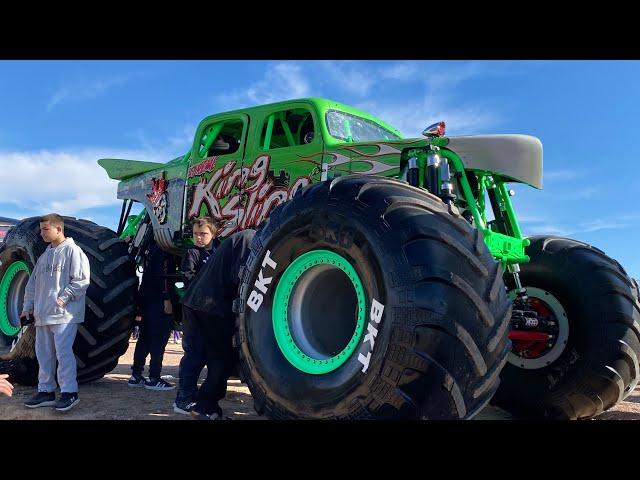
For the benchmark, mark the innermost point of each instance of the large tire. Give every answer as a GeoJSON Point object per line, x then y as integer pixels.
{"type": "Point", "coordinates": [109, 316]}
{"type": "Point", "coordinates": [598, 365]}
{"type": "Point", "coordinates": [440, 340]}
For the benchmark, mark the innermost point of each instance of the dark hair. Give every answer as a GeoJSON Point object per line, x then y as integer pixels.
{"type": "Point", "coordinates": [54, 219]}
{"type": "Point", "coordinates": [211, 223]}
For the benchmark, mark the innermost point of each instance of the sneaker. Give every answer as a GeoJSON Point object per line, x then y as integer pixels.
{"type": "Point", "coordinates": [203, 416]}
{"type": "Point", "coordinates": [67, 401]}
{"type": "Point", "coordinates": [183, 407]}
{"type": "Point", "coordinates": [41, 399]}
{"type": "Point", "coordinates": [136, 381]}
{"type": "Point", "coordinates": [158, 384]}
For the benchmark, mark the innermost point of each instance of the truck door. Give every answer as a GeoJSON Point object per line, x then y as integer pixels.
{"type": "Point", "coordinates": [215, 174]}
{"type": "Point", "coordinates": [284, 156]}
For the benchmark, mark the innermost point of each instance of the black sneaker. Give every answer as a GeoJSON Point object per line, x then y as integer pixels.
{"type": "Point", "coordinates": [67, 401]}
{"type": "Point", "coordinates": [197, 415]}
{"type": "Point", "coordinates": [136, 381]}
{"type": "Point", "coordinates": [158, 384]}
{"type": "Point", "coordinates": [203, 416]}
{"type": "Point", "coordinates": [183, 406]}
{"type": "Point", "coordinates": [41, 399]}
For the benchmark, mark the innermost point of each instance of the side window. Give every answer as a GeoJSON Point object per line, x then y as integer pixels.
{"type": "Point", "coordinates": [221, 138]}
{"type": "Point", "coordinates": [288, 128]}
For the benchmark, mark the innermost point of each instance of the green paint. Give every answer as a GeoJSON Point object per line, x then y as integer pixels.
{"type": "Point", "coordinates": [262, 124]}
{"type": "Point", "coordinates": [132, 225]}
{"type": "Point", "coordinates": [506, 249]}
{"type": "Point", "coordinates": [280, 312]}
{"type": "Point", "coordinates": [5, 290]}
{"type": "Point", "coordinates": [119, 169]}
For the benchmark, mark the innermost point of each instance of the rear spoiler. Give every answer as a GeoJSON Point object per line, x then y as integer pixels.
{"type": "Point", "coordinates": [119, 169]}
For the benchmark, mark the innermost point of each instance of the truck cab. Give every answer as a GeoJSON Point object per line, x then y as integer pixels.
{"type": "Point", "coordinates": [244, 163]}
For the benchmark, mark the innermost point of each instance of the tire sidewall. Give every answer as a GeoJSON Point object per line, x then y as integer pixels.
{"type": "Point", "coordinates": [567, 280]}
{"type": "Point", "coordinates": [336, 232]}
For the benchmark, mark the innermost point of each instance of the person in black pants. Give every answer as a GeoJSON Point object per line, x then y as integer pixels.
{"type": "Point", "coordinates": [193, 360]}
{"type": "Point", "coordinates": [208, 305]}
{"type": "Point", "coordinates": [155, 311]}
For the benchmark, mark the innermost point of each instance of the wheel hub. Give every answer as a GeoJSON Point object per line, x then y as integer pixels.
{"type": "Point", "coordinates": [319, 312]}
{"type": "Point", "coordinates": [539, 329]}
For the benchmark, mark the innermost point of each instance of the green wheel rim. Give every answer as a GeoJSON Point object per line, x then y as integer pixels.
{"type": "Point", "coordinates": [7, 294]}
{"type": "Point", "coordinates": [289, 282]}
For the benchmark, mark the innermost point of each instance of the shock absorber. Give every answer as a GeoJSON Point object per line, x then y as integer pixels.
{"type": "Point", "coordinates": [446, 189]}
{"type": "Point", "coordinates": [413, 172]}
{"type": "Point", "coordinates": [520, 291]}
{"type": "Point", "coordinates": [433, 162]}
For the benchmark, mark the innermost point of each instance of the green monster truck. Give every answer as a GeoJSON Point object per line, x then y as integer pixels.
{"type": "Point", "coordinates": [379, 284]}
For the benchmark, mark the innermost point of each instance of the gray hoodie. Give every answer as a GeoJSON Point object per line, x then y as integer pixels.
{"type": "Point", "coordinates": [60, 272]}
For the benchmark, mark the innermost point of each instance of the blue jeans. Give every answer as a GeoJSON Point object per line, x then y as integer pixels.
{"type": "Point", "coordinates": [193, 360]}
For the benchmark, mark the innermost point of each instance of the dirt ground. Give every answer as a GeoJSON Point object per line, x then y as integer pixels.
{"type": "Point", "coordinates": [110, 398]}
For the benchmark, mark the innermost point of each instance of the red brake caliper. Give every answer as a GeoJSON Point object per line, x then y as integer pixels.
{"type": "Point", "coordinates": [529, 343]}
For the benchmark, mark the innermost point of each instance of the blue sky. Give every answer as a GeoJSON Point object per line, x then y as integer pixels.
{"type": "Point", "coordinates": [58, 117]}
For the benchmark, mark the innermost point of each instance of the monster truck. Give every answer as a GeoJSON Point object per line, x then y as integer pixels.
{"type": "Point", "coordinates": [379, 283]}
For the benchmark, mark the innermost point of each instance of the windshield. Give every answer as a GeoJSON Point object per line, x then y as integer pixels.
{"type": "Point", "coordinates": [351, 128]}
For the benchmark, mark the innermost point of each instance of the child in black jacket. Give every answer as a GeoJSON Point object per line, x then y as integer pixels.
{"type": "Point", "coordinates": [193, 360]}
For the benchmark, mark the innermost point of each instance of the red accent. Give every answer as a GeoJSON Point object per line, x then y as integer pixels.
{"type": "Point", "coordinates": [529, 344]}
{"type": "Point", "coordinates": [441, 127]}
{"type": "Point", "coordinates": [539, 306]}
{"type": "Point", "coordinates": [158, 187]}
{"type": "Point", "coordinates": [529, 336]}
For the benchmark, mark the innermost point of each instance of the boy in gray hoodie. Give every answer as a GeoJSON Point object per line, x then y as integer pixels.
{"type": "Point", "coordinates": [55, 294]}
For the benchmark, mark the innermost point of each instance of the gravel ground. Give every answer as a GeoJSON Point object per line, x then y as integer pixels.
{"type": "Point", "coordinates": [110, 398]}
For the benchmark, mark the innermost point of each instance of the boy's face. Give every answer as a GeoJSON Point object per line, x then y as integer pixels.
{"type": "Point", "coordinates": [202, 236]}
{"type": "Point", "coordinates": [49, 232]}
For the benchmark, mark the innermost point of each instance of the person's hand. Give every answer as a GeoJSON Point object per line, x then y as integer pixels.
{"type": "Point", "coordinates": [168, 307]}
{"type": "Point", "coordinates": [25, 318]}
{"type": "Point", "coordinates": [5, 386]}
{"type": "Point", "coordinates": [59, 302]}
{"type": "Point", "coordinates": [138, 318]}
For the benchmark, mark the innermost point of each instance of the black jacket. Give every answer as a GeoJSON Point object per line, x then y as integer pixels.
{"type": "Point", "coordinates": [157, 279]}
{"type": "Point", "coordinates": [216, 286]}
{"type": "Point", "coordinates": [194, 259]}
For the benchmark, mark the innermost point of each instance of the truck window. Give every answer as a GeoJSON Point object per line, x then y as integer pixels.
{"type": "Point", "coordinates": [221, 138]}
{"type": "Point", "coordinates": [288, 128]}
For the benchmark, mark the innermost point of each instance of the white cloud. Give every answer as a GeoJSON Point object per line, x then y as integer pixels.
{"type": "Point", "coordinates": [350, 77]}
{"type": "Point", "coordinates": [540, 226]}
{"type": "Point", "coordinates": [68, 182]}
{"type": "Point", "coordinates": [534, 228]}
{"type": "Point", "coordinates": [615, 223]}
{"type": "Point", "coordinates": [438, 80]}
{"type": "Point", "coordinates": [411, 118]}
{"type": "Point", "coordinates": [282, 81]}
{"type": "Point", "coordinates": [85, 90]}
{"type": "Point", "coordinates": [403, 71]}
{"type": "Point", "coordinates": [438, 101]}
{"type": "Point", "coordinates": [183, 139]}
